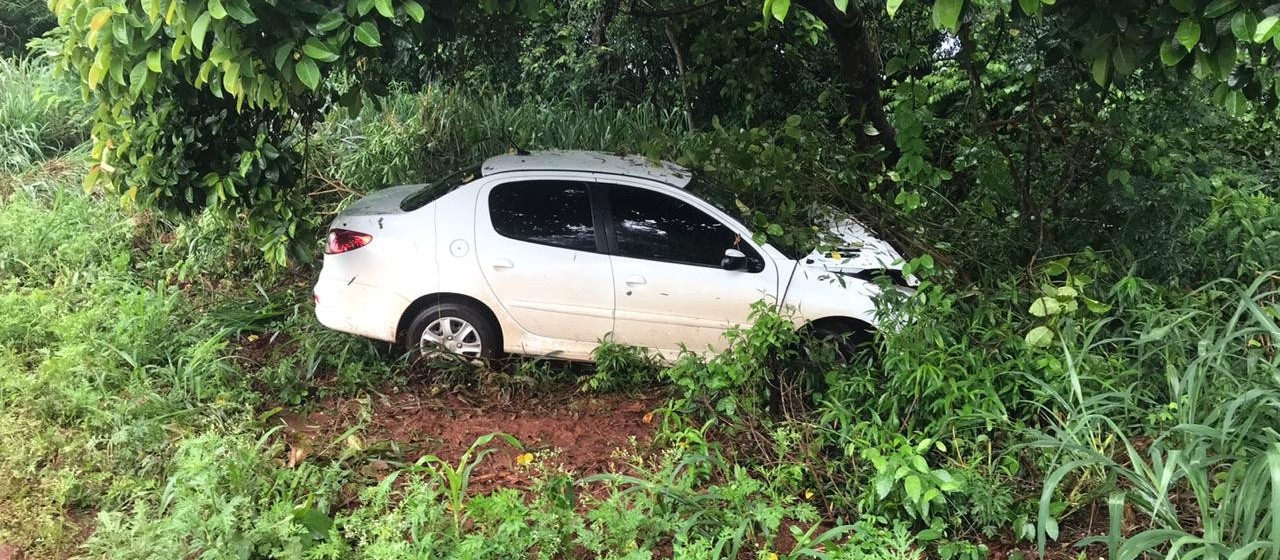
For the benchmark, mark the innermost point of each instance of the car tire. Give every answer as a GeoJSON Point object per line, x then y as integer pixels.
{"type": "Point", "coordinates": [846, 340]}
{"type": "Point", "coordinates": [458, 328]}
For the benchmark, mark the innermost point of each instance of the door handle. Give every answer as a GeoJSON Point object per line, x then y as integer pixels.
{"type": "Point", "coordinates": [635, 280]}
{"type": "Point", "coordinates": [502, 263]}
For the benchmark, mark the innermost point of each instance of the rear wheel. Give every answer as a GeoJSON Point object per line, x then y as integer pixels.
{"type": "Point", "coordinates": [455, 328]}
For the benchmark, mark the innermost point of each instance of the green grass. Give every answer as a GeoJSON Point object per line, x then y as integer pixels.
{"type": "Point", "coordinates": [40, 116]}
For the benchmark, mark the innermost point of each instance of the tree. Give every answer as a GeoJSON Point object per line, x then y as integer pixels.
{"type": "Point", "coordinates": [206, 103]}
{"type": "Point", "coordinates": [22, 21]}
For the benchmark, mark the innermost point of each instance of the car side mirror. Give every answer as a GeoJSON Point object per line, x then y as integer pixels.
{"type": "Point", "coordinates": [733, 260]}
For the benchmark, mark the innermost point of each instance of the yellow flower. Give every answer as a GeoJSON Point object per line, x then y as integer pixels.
{"type": "Point", "coordinates": [524, 459]}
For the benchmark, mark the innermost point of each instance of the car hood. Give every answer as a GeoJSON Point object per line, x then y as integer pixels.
{"type": "Point", "coordinates": [857, 249]}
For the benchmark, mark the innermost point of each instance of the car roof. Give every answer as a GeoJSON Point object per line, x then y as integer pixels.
{"type": "Point", "coordinates": [629, 165]}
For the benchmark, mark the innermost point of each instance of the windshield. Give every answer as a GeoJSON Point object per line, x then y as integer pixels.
{"type": "Point", "coordinates": [727, 201]}
{"type": "Point", "coordinates": [432, 191]}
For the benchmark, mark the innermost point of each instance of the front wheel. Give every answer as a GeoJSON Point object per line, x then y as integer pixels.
{"type": "Point", "coordinates": [844, 341]}
{"type": "Point", "coordinates": [455, 328]}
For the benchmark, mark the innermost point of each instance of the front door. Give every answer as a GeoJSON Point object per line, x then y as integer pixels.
{"type": "Point", "coordinates": [670, 289]}
{"type": "Point", "coordinates": [537, 246]}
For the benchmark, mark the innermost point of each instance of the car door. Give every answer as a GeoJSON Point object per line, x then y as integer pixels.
{"type": "Point", "coordinates": [540, 253]}
{"type": "Point", "coordinates": [669, 286]}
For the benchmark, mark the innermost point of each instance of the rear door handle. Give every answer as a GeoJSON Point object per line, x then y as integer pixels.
{"type": "Point", "coordinates": [635, 280]}
{"type": "Point", "coordinates": [503, 263]}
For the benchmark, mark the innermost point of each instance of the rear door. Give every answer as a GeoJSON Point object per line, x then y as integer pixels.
{"type": "Point", "coordinates": [669, 287]}
{"type": "Point", "coordinates": [541, 254]}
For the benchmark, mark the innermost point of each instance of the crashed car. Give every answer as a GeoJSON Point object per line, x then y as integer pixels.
{"type": "Point", "coordinates": [546, 253]}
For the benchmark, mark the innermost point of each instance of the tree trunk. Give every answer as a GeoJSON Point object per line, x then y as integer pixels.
{"type": "Point", "coordinates": [860, 69]}
{"type": "Point", "coordinates": [600, 27]}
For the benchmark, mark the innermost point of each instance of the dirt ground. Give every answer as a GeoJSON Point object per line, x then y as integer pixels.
{"type": "Point", "coordinates": [580, 433]}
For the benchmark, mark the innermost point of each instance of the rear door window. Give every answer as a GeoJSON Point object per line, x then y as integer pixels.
{"type": "Point", "coordinates": [555, 213]}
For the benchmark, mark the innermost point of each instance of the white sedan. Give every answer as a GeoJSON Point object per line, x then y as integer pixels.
{"type": "Point", "coordinates": [546, 253]}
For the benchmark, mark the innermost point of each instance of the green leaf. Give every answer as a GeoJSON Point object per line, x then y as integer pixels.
{"type": "Point", "coordinates": [308, 72]}
{"type": "Point", "coordinates": [367, 33]}
{"type": "Point", "coordinates": [231, 78]}
{"type": "Point", "coordinates": [892, 6]}
{"type": "Point", "coordinates": [414, 10]}
{"type": "Point", "coordinates": [1045, 306]}
{"type": "Point", "coordinates": [1171, 53]}
{"type": "Point", "coordinates": [1243, 25]}
{"type": "Point", "coordinates": [779, 9]}
{"type": "Point", "coordinates": [137, 78]}
{"type": "Point", "coordinates": [316, 49]}
{"type": "Point", "coordinates": [153, 61]}
{"type": "Point", "coordinates": [216, 9]}
{"type": "Point", "coordinates": [1184, 6]}
{"type": "Point", "coordinates": [1040, 337]}
{"type": "Point", "coordinates": [774, 230]}
{"type": "Point", "coordinates": [282, 54]}
{"type": "Point", "coordinates": [329, 22]}
{"type": "Point", "coordinates": [912, 485]}
{"type": "Point", "coordinates": [198, 30]}
{"type": "Point", "coordinates": [1236, 103]}
{"type": "Point", "coordinates": [1225, 58]}
{"type": "Point", "coordinates": [946, 13]}
{"type": "Point", "coordinates": [1100, 69]}
{"type": "Point", "coordinates": [842, 5]}
{"type": "Point", "coordinates": [1030, 7]}
{"type": "Point", "coordinates": [1124, 60]}
{"type": "Point", "coordinates": [384, 8]}
{"type": "Point", "coordinates": [1188, 33]}
{"type": "Point", "coordinates": [1267, 29]}
{"type": "Point", "coordinates": [1219, 8]}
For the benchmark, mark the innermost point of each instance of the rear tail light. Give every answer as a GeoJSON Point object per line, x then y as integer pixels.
{"type": "Point", "coordinates": [343, 240]}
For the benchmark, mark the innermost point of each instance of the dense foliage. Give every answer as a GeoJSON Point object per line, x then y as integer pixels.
{"type": "Point", "coordinates": [1091, 191]}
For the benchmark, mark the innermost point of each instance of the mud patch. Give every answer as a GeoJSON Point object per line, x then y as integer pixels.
{"type": "Point", "coordinates": [581, 434]}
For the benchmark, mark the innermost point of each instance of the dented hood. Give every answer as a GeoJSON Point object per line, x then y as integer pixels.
{"type": "Point", "coordinates": [857, 249]}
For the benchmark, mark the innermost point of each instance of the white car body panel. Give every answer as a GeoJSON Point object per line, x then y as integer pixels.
{"type": "Point", "coordinates": [558, 302]}
{"type": "Point", "coordinates": [549, 292]}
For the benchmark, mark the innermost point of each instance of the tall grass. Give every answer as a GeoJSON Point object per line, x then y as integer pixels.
{"type": "Point", "coordinates": [1205, 482]}
{"type": "Point", "coordinates": [422, 136]}
{"type": "Point", "coordinates": [40, 115]}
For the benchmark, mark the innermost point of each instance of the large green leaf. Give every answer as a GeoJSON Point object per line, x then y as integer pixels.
{"type": "Point", "coordinates": [1039, 337]}
{"type": "Point", "coordinates": [216, 9]}
{"type": "Point", "coordinates": [1243, 24]}
{"type": "Point", "coordinates": [198, 30]}
{"type": "Point", "coordinates": [330, 21]}
{"type": "Point", "coordinates": [946, 13]}
{"type": "Point", "coordinates": [414, 10]}
{"type": "Point", "coordinates": [892, 6]}
{"type": "Point", "coordinates": [1267, 29]}
{"type": "Point", "coordinates": [779, 9]}
{"type": "Point", "coordinates": [1125, 60]}
{"type": "Point", "coordinates": [1171, 53]}
{"type": "Point", "coordinates": [1029, 7]}
{"type": "Point", "coordinates": [1188, 33]}
{"type": "Point", "coordinates": [316, 49]}
{"type": "Point", "coordinates": [1219, 8]}
{"type": "Point", "coordinates": [367, 33]}
{"type": "Point", "coordinates": [1100, 68]}
{"type": "Point", "coordinates": [384, 8]}
{"type": "Point", "coordinates": [308, 72]}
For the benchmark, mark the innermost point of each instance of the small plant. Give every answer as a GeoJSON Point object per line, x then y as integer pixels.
{"type": "Point", "coordinates": [904, 480]}
{"type": "Point", "coordinates": [620, 367]}
{"type": "Point", "coordinates": [457, 478]}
